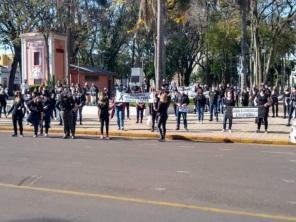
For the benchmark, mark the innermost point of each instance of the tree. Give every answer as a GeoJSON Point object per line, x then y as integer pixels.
{"type": "Point", "coordinates": [17, 17]}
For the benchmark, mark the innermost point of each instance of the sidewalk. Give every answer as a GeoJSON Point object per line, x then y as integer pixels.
{"type": "Point", "coordinates": [243, 130]}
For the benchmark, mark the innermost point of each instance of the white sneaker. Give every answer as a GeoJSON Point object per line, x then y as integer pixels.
{"type": "Point", "coordinates": [223, 130]}
{"type": "Point", "coordinates": [107, 138]}
{"type": "Point", "coordinates": [229, 131]}
{"type": "Point", "coordinates": [101, 137]}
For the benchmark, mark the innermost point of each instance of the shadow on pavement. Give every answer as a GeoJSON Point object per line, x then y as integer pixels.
{"type": "Point", "coordinates": [39, 220]}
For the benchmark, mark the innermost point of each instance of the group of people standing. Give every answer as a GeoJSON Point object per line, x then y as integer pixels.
{"type": "Point", "coordinates": [65, 104]}
{"type": "Point", "coordinates": [222, 99]}
{"type": "Point", "coordinates": [40, 106]}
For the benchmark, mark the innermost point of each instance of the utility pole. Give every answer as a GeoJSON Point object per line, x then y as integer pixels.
{"type": "Point", "coordinates": [160, 63]}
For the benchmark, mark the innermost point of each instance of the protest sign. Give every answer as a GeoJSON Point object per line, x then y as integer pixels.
{"type": "Point", "coordinates": [134, 97]}
{"type": "Point", "coordinates": [245, 112]}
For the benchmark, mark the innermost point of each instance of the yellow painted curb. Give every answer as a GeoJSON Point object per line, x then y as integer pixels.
{"type": "Point", "coordinates": [170, 136]}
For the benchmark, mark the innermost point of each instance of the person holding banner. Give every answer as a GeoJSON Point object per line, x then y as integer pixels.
{"type": "Point", "coordinates": [140, 111]}
{"type": "Point", "coordinates": [229, 102]}
{"type": "Point", "coordinates": [263, 102]}
{"type": "Point", "coordinates": [162, 112]}
{"type": "Point", "coordinates": [182, 102]}
{"type": "Point", "coordinates": [153, 109]}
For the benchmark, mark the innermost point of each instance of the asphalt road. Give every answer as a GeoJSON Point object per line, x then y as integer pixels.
{"type": "Point", "coordinates": [89, 180]}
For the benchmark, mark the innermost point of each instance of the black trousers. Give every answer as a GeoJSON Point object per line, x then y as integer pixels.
{"type": "Point", "coordinates": [286, 110]}
{"type": "Point", "coordinates": [80, 108]}
{"type": "Point", "coordinates": [67, 117]}
{"type": "Point", "coordinates": [162, 126]}
{"type": "Point", "coordinates": [260, 120]}
{"type": "Point", "coordinates": [17, 120]}
{"type": "Point", "coordinates": [275, 109]}
{"type": "Point", "coordinates": [127, 105]}
{"type": "Point", "coordinates": [291, 111]}
{"type": "Point", "coordinates": [2, 108]}
{"type": "Point", "coordinates": [140, 114]}
{"type": "Point", "coordinates": [154, 117]}
{"type": "Point", "coordinates": [104, 122]}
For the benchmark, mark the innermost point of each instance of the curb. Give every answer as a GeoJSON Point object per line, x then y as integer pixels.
{"type": "Point", "coordinates": [170, 136]}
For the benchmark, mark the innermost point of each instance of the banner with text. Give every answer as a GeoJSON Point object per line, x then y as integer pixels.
{"type": "Point", "coordinates": [134, 97]}
{"type": "Point", "coordinates": [245, 112]}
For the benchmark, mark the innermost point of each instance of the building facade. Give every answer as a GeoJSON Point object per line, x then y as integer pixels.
{"type": "Point", "coordinates": [37, 60]}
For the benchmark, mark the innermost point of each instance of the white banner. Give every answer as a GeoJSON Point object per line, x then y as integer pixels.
{"type": "Point", "coordinates": [134, 97]}
{"type": "Point", "coordinates": [245, 112]}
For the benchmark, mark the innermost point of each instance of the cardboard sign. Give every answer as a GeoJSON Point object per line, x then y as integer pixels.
{"type": "Point", "coordinates": [245, 112]}
{"type": "Point", "coordinates": [134, 97]}
{"type": "Point", "coordinates": [183, 109]}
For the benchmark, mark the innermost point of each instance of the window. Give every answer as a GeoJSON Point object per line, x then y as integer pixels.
{"type": "Point", "coordinates": [135, 79]}
{"type": "Point", "coordinates": [36, 58]}
{"type": "Point", "coordinates": [37, 81]}
{"type": "Point", "coordinates": [91, 78]}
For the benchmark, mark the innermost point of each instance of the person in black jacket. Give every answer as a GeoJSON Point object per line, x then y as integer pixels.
{"type": "Point", "coordinates": [162, 112]}
{"type": "Point", "coordinates": [66, 105]}
{"type": "Point", "coordinates": [275, 103]}
{"type": "Point", "coordinates": [153, 110]}
{"type": "Point", "coordinates": [292, 105]}
{"type": "Point", "coordinates": [47, 108]}
{"type": "Point", "coordinates": [182, 103]}
{"type": "Point", "coordinates": [213, 100]}
{"type": "Point", "coordinates": [245, 97]}
{"type": "Point", "coordinates": [81, 101]}
{"type": "Point", "coordinates": [3, 103]}
{"type": "Point", "coordinates": [36, 113]}
{"type": "Point", "coordinates": [229, 102]}
{"type": "Point", "coordinates": [286, 102]}
{"type": "Point", "coordinates": [53, 101]}
{"type": "Point", "coordinates": [200, 103]}
{"type": "Point", "coordinates": [263, 101]}
{"type": "Point", "coordinates": [17, 110]}
{"type": "Point", "coordinates": [103, 111]}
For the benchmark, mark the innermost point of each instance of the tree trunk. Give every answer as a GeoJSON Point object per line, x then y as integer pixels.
{"type": "Point", "coordinates": [244, 44]}
{"type": "Point", "coordinates": [268, 64]}
{"type": "Point", "coordinates": [15, 63]}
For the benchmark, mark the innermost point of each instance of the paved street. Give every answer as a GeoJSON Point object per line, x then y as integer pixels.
{"type": "Point", "coordinates": [89, 180]}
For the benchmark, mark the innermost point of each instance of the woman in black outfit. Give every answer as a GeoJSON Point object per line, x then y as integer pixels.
{"type": "Point", "coordinates": [162, 110]}
{"type": "Point", "coordinates": [46, 102]}
{"type": "Point", "coordinates": [229, 102]}
{"type": "Point", "coordinates": [36, 113]}
{"type": "Point", "coordinates": [17, 110]}
{"type": "Point", "coordinates": [275, 103]}
{"type": "Point", "coordinates": [3, 103]}
{"type": "Point", "coordinates": [153, 110]}
{"type": "Point", "coordinates": [140, 111]}
{"type": "Point", "coordinates": [263, 102]}
{"type": "Point", "coordinates": [103, 112]}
